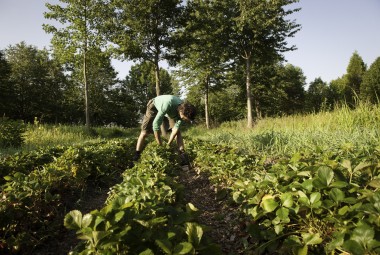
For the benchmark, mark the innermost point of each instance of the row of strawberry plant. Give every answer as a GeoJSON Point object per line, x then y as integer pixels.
{"type": "Point", "coordinates": [311, 203]}
{"type": "Point", "coordinates": [33, 202]}
{"type": "Point", "coordinates": [25, 162]}
{"type": "Point", "coordinates": [144, 214]}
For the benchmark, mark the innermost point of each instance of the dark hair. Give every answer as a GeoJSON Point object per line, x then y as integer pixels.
{"type": "Point", "coordinates": [188, 110]}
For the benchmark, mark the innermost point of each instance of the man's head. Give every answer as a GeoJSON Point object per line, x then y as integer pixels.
{"type": "Point", "coordinates": [187, 111]}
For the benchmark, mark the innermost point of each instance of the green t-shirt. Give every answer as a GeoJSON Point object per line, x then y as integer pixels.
{"type": "Point", "coordinates": [166, 105]}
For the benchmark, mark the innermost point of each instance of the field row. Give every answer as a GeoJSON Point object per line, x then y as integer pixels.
{"type": "Point", "coordinates": [311, 203]}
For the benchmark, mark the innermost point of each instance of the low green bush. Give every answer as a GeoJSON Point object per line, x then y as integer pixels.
{"type": "Point", "coordinates": [11, 132]}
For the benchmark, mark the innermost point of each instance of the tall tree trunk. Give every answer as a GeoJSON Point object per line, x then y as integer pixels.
{"type": "Point", "coordinates": [157, 72]}
{"type": "Point", "coordinates": [158, 92]}
{"type": "Point", "coordinates": [86, 95]}
{"type": "Point", "coordinates": [206, 103]}
{"type": "Point", "coordinates": [86, 99]}
{"type": "Point", "coordinates": [249, 97]}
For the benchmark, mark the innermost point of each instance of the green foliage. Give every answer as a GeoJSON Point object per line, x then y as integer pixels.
{"type": "Point", "coordinates": [140, 85]}
{"type": "Point", "coordinates": [316, 95]}
{"type": "Point", "coordinates": [355, 71]}
{"type": "Point", "coordinates": [7, 93]}
{"type": "Point", "coordinates": [11, 132]}
{"type": "Point", "coordinates": [370, 87]}
{"type": "Point", "coordinates": [35, 195]}
{"type": "Point", "coordinates": [309, 203]}
{"type": "Point", "coordinates": [36, 82]}
{"type": "Point", "coordinates": [143, 214]}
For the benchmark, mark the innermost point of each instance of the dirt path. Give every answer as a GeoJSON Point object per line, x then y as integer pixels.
{"type": "Point", "coordinates": [222, 218]}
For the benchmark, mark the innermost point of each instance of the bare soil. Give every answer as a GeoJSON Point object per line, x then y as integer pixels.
{"type": "Point", "coordinates": [225, 223]}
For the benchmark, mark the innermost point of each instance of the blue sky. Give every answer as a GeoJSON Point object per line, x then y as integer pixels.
{"type": "Point", "coordinates": [332, 30]}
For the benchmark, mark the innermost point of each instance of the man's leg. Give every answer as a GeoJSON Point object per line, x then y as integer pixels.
{"type": "Point", "coordinates": [141, 140]}
{"type": "Point", "coordinates": [146, 127]}
{"type": "Point", "coordinates": [179, 140]}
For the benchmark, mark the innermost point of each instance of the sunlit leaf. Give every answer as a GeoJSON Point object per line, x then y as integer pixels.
{"type": "Point", "coordinates": [325, 174]}
{"type": "Point", "coordinates": [353, 247]}
{"type": "Point", "coordinates": [315, 197]}
{"type": "Point", "coordinates": [147, 252]}
{"type": "Point", "coordinates": [311, 238]}
{"type": "Point", "coordinates": [363, 234]}
{"type": "Point", "coordinates": [194, 233]}
{"type": "Point", "coordinates": [343, 210]}
{"type": "Point", "coordinates": [269, 204]}
{"type": "Point", "coordinates": [73, 220]}
{"type": "Point", "coordinates": [362, 166]}
{"type": "Point", "coordinates": [375, 183]}
{"type": "Point", "coordinates": [286, 200]}
{"type": "Point", "coordinates": [302, 250]}
{"type": "Point", "coordinates": [283, 213]}
{"type": "Point", "coordinates": [86, 220]}
{"type": "Point", "coordinates": [165, 245]}
{"type": "Point", "coordinates": [183, 248]}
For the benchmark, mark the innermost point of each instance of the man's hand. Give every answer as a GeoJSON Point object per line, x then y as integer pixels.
{"type": "Point", "coordinates": [173, 135]}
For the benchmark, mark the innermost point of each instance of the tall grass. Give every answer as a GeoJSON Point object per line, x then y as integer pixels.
{"type": "Point", "coordinates": [42, 136]}
{"type": "Point", "coordinates": [341, 128]}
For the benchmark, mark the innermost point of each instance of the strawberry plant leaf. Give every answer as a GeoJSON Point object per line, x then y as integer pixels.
{"type": "Point", "coordinates": [269, 204]}
{"type": "Point", "coordinates": [165, 245]}
{"type": "Point", "coordinates": [375, 183]}
{"type": "Point", "coordinates": [311, 238]}
{"type": "Point", "coordinates": [363, 235]}
{"type": "Point", "coordinates": [147, 252]}
{"type": "Point", "coordinates": [194, 233]}
{"type": "Point", "coordinates": [86, 220]}
{"type": "Point", "coordinates": [302, 250]}
{"type": "Point", "coordinates": [325, 174]}
{"type": "Point", "coordinates": [73, 220]}
{"type": "Point", "coordinates": [286, 199]}
{"type": "Point", "coordinates": [183, 248]}
{"type": "Point", "coordinates": [337, 195]}
{"type": "Point", "coordinates": [362, 166]}
{"type": "Point", "coordinates": [353, 247]}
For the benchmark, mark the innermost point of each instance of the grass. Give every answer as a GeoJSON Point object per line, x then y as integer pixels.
{"type": "Point", "coordinates": [42, 136]}
{"type": "Point", "coordinates": [340, 128]}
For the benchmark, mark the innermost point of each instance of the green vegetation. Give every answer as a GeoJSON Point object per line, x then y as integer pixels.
{"type": "Point", "coordinates": [305, 184]}
{"type": "Point", "coordinates": [11, 132]}
{"type": "Point", "coordinates": [45, 135]}
{"type": "Point", "coordinates": [326, 131]}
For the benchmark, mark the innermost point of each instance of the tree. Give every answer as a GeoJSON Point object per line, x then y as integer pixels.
{"type": "Point", "coordinates": [37, 82]}
{"type": "Point", "coordinates": [370, 87]}
{"type": "Point", "coordinates": [140, 84]}
{"type": "Point", "coordinates": [204, 55]}
{"type": "Point", "coordinates": [289, 82]}
{"type": "Point", "coordinates": [7, 94]}
{"type": "Point", "coordinates": [77, 36]}
{"type": "Point", "coordinates": [316, 95]}
{"type": "Point", "coordinates": [355, 71]}
{"type": "Point", "coordinates": [143, 30]}
{"type": "Point", "coordinates": [258, 36]}
{"type": "Point", "coordinates": [336, 91]}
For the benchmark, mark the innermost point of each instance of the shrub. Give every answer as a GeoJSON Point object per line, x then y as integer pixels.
{"type": "Point", "coordinates": [11, 132]}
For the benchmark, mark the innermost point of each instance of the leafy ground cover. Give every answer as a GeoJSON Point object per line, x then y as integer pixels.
{"type": "Point", "coordinates": [292, 185]}
{"type": "Point", "coordinates": [309, 203]}
{"type": "Point", "coordinates": [35, 197]}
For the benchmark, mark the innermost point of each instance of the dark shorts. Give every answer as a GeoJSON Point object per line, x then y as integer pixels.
{"type": "Point", "coordinates": [150, 114]}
